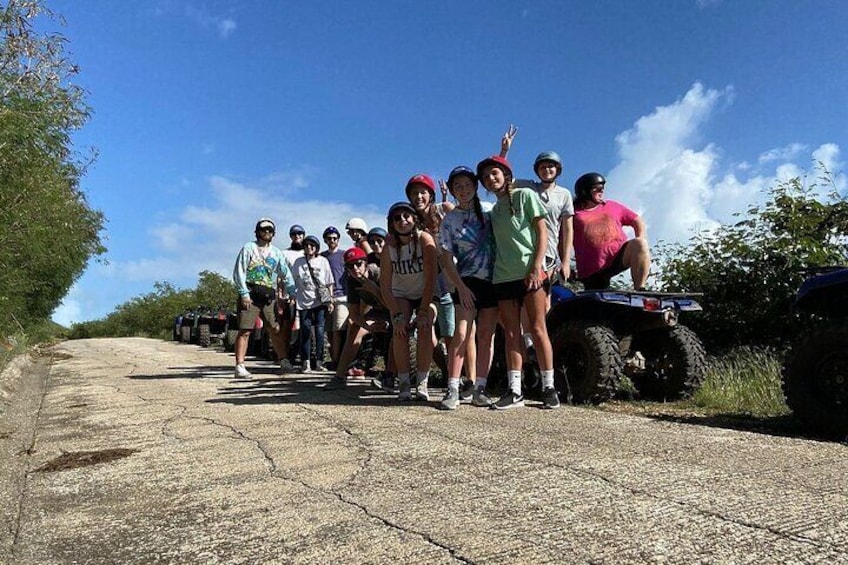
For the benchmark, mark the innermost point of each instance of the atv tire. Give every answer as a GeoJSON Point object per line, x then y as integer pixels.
{"type": "Point", "coordinates": [815, 379]}
{"type": "Point", "coordinates": [230, 342]}
{"type": "Point", "coordinates": [204, 338]}
{"type": "Point", "coordinates": [587, 362]}
{"type": "Point", "coordinates": [675, 363]}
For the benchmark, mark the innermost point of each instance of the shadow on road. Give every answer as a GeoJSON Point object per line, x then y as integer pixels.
{"type": "Point", "coordinates": [780, 426]}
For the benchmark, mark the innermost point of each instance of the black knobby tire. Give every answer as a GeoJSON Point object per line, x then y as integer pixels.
{"type": "Point", "coordinates": [815, 379]}
{"type": "Point", "coordinates": [204, 335]}
{"type": "Point", "coordinates": [230, 343]}
{"type": "Point", "coordinates": [675, 363]}
{"type": "Point", "coordinates": [587, 362]}
{"type": "Point", "coordinates": [185, 334]}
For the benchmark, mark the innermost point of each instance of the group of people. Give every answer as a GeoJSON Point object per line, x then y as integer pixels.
{"type": "Point", "coordinates": [462, 267]}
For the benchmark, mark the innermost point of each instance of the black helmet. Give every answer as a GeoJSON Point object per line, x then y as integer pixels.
{"type": "Point", "coordinates": [548, 156]}
{"type": "Point", "coordinates": [583, 185]}
{"type": "Point", "coordinates": [314, 241]}
{"type": "Point", "coordinates": [461, 171]}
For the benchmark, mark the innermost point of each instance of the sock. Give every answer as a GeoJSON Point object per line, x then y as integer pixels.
{"type": "Point", "coordinates": [548, 379]}
{"type": "Point", "coordinates": [422, 378]}
{"type": "Point", "coordinates": [514, 378]}
{"type": "Point", "coordinates": [480, 382]}
{"type": "Point", "coordinates": [453, 384]}
{"type": "Point", "coordinates": [528, 340]}
{"type": "Point", "coordinates": [403, 378]}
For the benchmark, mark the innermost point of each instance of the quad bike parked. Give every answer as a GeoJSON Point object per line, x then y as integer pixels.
{"type": "Point", "coordinates": [212, 325]}
{"type": "Point", "coordinates": [815, 374]}
{"type": "Point", "coordinates": [600, 336]}
{"type": "Point", "coordinates": [188, 327]}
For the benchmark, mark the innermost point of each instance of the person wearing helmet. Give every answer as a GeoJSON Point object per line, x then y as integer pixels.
{"type": "Point", "coordinates": [287, 313]}
{"type": "Point", "coordinates": [468, 253]}
{"type": "Point", "coordinates": [338, 320]}
{"type": "Point", "coordinates": [377, 239]}
{"type": "Point", "coordinates": [258, 268]}
{"type": "Point", "coordinates": [312, 271]}
{"type": "Point", "coordinates": [421, 193]}
{"type": "Point", "coordinates": [601, 247]}
{"type": "Point", "coordinates": [558, 204]}
{"type": "Point", "coordinates": [357, 229]}
{"type": "Point", "coordinates": [520, 232]}
{"type": "Point", "coordinates": [408, 284]}
{"type": "Point", "coordinates": [368, 313]}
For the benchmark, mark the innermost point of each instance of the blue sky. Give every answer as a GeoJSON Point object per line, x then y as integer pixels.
{"type": "Point", "coordinates": [210, 114]}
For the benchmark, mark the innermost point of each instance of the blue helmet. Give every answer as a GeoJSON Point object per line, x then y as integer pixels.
{"type": "Point", "coordinates": [461, 171]}
{"type": "Point", "coordinates": [331, 230]}
{"type": "Point", "coordinates": [377, 232]}
{"type": "Point", "coordinates": [313, 240]}
{"type": "Point", "coordinates": [296, 229]}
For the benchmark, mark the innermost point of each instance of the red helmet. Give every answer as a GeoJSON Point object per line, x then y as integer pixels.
{"type": "Point", "coordinates": [496, 160]}
{"type": "Point", "coordinates": [423, 180]}
{"type": "Point", "coordinates": [353, 255]}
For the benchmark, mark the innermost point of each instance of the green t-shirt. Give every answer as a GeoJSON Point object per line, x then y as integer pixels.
{"type": "Point", "coordinates": [515, 235]}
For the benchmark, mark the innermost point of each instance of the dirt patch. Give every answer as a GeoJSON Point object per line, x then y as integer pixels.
{"type": "Point", "coordinates": [75, 460]}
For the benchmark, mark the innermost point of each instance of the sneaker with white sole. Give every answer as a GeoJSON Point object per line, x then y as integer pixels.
{"type": "Point", "coordinates": [508, 400]}
{"type": "Point", "coordinates": [450, 401]}
{"type": "Point", "coordinates": [305, 368]}
{"type": "Point", "coordinates": [466, 390]}
{"type": "Point", "coordinates": [480, 398]}
{"type": "Point", "coordinates": [550, 398]}
{"type": "Point", "coordinates": [385, 382]}
{"type": "Point", "coordinates": [242, 372]}
{"type": "Point", "coordinates": [421, 392]}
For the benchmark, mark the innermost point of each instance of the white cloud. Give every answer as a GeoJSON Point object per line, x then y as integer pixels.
{"type": "Point", "coordinates": [225, 26]}
{"type": "Point", "coordinates": [791, 151]}
{"type": "Point", "coordinates": [69, 311]}
{"type": "Point", "coordinates": [678, 185]}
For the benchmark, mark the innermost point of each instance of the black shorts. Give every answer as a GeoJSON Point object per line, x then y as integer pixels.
{"type": "Point", "coordinates": [601, 279]}
{"type": "Point", "coordinates": [516, 290]}
{"type": "Point", "coordinates": [483, 291]}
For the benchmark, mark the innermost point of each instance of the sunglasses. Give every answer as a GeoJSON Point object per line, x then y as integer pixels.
{"type": "Point", "coordinates": [402, 216]}
{"type": "Point", "coordinates": [297, 234]}
{"type": "Point", "coordinates": [266, 229]}
{"type": "Point", "coordinates": [357, 263]}
{"type": "Point", "coordinates": [331, 238]}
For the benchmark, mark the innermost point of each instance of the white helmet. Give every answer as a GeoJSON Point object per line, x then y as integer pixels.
{"type": "Point", "coordinates": [357, 224]}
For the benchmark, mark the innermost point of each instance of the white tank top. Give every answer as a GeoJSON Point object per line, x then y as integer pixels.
{"type": "Point", "coordinates": [407, 273]}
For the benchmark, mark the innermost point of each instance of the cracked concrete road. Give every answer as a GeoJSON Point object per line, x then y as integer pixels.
{"type": "Point", "coordinates": [274, 470]}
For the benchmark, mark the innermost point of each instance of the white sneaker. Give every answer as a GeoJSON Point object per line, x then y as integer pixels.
{"type": "Point", "coordinates": [242, 372]}
{"type": "Point", "coordinates": [306, 368]}
{"type": "Point", "coordinates": [286, 367]}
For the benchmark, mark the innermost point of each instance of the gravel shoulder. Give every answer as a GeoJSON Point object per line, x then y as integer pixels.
{"type": "Point", "coordinates": [143, 451]}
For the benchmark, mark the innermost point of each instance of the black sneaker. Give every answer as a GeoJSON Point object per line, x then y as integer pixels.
{"type": "Point", "coordinates": [385, 382]}
{"type": "Point", "coordinates": [508, 400]}
{"type": "Point", "coordinates": [466, 390]}
{"type": "Point", "coordinates": [550, 398]}
{"type": "Point", "coordinates": [336, 383]}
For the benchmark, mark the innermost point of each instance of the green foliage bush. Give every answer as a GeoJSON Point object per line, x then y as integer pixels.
{"type": "Point", "coordinates": [152, 314]}
{"type": "Point", "coordinates": [48, 230]}
{"type": "Point", "coordinates": [749, 271]}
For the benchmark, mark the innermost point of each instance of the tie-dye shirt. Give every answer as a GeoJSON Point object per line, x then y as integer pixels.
{"type": "Point", "coordinates": [261, 266]}
{"type": "Point", "coordinates": [470, 241]}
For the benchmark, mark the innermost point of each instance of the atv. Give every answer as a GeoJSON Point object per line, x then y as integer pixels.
{"type": "Point", "coordinates": [815, 373]}
{"type": "Point", "coordinates": [601, 336]}
{"type": "Point", "coordinates": [212, 325]}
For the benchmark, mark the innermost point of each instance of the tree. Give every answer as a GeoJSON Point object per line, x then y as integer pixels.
{"type": "Point", "coordinates": [749, 271]}
{"type": "Point", "coordinates": [48, 232]}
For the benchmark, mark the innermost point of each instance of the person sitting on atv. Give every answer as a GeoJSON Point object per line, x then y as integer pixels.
{"type": "Point", "coordinates": [601, 247]}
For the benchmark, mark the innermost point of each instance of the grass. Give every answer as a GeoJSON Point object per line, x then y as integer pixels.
{"type": "Point", "coordinates": [745, 382]}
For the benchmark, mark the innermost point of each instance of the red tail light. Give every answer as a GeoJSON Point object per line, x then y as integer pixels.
{"type": "Point", "coordinates": [651, 304]}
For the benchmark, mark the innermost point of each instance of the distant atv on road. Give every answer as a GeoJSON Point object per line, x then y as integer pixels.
{"type": "Point", "coordinates": [600, 336]}
{"type": "Point", "coordinates": [815, 374]}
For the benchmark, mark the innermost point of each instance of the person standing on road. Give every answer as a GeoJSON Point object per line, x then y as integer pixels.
{"type": "Point", "coordinates": [287, 313]}
{"type": "Point", "coordinates": [258, 267]}
{"type": "Point", "coordinates": [339, 318]}
{"type": "Point", "coordinates": [466, 237]}
{"type": "Point", "coordinates": [408, 281]}
{"type": "Point", "coordinates": [520, 230]}
{"type": "Point", "coordinates": [312, 271]}
{"type": "Point", "coordinates": [601, 247]}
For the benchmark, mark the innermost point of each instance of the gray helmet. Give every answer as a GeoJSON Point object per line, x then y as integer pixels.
{"type": "Point", "coordinates": [313, 240]}
{"type": "Point", "coordinates": [583, 185]}
{"type": "Point", "coordinates": [548, 156]}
